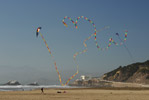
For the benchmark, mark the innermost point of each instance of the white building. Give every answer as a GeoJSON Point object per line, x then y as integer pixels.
{"type": "Point", "coordinates": [83, 77]}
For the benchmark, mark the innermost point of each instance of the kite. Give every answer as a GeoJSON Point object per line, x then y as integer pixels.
{"type": "Point", "coordinates": [37, 32]}
{"type": "Point", "coordinates": [122, 42]}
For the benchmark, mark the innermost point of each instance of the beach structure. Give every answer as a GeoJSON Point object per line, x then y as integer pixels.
{"type": "Point", "coordinates": [83, 77]}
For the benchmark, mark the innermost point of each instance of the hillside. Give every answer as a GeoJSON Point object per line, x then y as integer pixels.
{"type": "Point", "coordinates": [134, 73]}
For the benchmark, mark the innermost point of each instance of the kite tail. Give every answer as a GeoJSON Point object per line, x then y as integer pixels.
{"type": "Point", "coordinates": [83, 51]}
{"type": "Point", "coordinates": [71, 78]}
{"type": "Point", "coordinates": [112, 41]}
{"type": "Point", "coordinates": [60, 80]}
{"type": "Point", "coordinates": [46, 44]}
{"type": "Point", "coordinates": [95, 33]}
{"type": "Point", "coordinates": [53, 59]}
{"type": "Point", "coordinates": [85, 45]}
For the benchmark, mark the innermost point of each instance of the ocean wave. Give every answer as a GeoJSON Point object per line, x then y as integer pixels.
{"type": "Point", "coordinates": [28, 87]}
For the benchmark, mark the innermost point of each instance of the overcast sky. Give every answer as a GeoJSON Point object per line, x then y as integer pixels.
{"type": "Point", "coordinates": [25, 58]}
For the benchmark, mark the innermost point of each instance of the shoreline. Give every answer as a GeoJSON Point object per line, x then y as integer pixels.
{"type": "Point", "coordinates": [30, 88]}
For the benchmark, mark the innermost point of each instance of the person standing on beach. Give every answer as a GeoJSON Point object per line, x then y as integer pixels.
{"type": "Point", "coordinates": [42, 90]}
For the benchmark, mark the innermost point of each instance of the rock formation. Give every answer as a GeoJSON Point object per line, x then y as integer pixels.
{"type": "Point", "coordinates": [12, 82]}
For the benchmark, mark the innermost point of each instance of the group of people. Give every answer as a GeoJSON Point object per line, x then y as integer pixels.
{"type": "Point", "coordinates": [61, 92]}
{"type": "Point", "coordinates": [42, 91]}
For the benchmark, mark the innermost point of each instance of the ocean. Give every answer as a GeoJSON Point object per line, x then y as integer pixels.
{"type": "Point", "coordinates": [29, 87]}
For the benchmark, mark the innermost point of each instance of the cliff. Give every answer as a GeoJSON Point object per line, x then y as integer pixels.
{"type": "Point", "coordinates": [134, 73]}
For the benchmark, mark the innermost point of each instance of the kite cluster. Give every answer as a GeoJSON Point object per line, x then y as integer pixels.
{"type": "Point", "coordinates": [84, 43]}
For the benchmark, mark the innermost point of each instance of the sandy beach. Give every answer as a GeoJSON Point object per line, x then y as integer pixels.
{"type": "Point", "coordinates": [77, 94]}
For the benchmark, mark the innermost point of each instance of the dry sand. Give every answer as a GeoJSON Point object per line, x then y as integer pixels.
{"type": "Point", "coordinates": [77, 94]}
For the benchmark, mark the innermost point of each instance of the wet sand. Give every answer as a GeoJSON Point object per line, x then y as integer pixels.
{"type": "Point", "coordinates": [77, 94]}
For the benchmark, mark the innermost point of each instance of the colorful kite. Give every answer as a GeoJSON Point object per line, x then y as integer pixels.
{"type": "Point", "coordinates": [37, 32]}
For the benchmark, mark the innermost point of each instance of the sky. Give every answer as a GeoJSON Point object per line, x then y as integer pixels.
{"type": "Point", "coordinates": [25, 58]}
